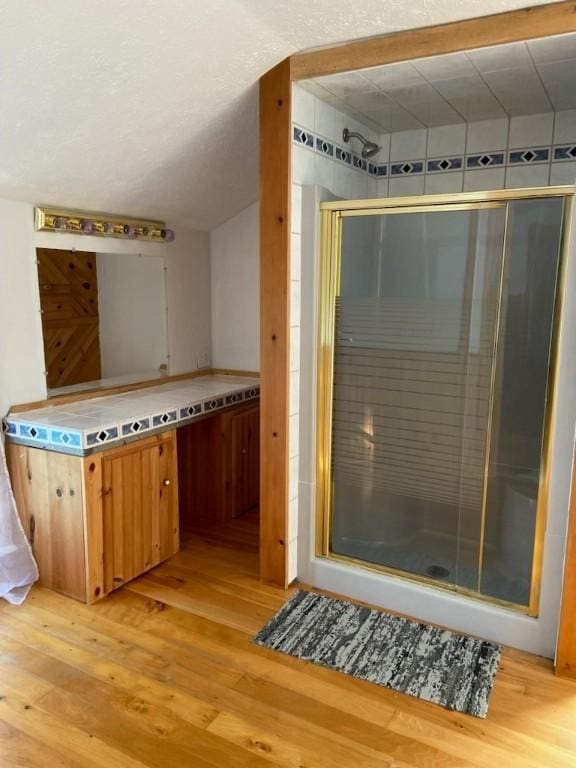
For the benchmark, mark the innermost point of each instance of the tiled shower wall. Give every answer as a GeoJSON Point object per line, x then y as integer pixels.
{"type": "Point", "coordinates": [524, 151]}
{"type": "Point", "coordinates": [535, 150]}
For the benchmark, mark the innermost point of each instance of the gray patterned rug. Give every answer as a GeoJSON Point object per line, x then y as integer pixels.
{"type": "Point", "coordinates": [455, 671]}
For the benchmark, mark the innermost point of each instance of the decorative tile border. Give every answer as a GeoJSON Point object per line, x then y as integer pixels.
{"type": "Point", "coordinates": [105, 435]}
{"type": "Point", "coordinates": [485, 160]}
{"type": "Point", "coordinates": [213, 405]}
{"type": "Point", "coordinates": [531, 156]}
{"type": "Point", "coordinates": [419, 166]}
{"type": "Point", "coordinates": [316, 143]}
{"type": "Point", "coordinates": [567, 152]}
{"type": "Point", "coordinates": [80, 441]}
{"type": "Point", "coordinates": [444, 164]}
{"type": "Point", "coordinates": [190, 410]}
{"type": "Point", "coordinates": [163, 419]}
{"type": "Point", "coordinates": [68, 438]}
{"type": "Point", "coordinates": [407, 168]}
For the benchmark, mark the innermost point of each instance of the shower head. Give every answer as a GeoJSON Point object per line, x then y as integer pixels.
{"type": "Point", "coordinates": [369, 148]}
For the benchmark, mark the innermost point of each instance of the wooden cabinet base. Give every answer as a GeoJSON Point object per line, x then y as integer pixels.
{"type": "Point", "coordinates": [96, 522]}
{"type": "Point", "coordinates": [219, 466]}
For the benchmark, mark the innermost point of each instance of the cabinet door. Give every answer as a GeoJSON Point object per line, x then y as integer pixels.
{"type": "Point", "coordinates": [48, 491]}
{"type": "Point", "coordinates": [245, 452]}
{"type": "Point", "coordinates": [140, 508]}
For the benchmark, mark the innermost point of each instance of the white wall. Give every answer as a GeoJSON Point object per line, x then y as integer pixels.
{"type": "Point", "coordinates": [21, 347]}
{"type": "Point", "coordinates": [235, 270]}
{"type": "Point", "coordinates": [132, 309]}
{"type": "Point", "coordinates": [188, 292]}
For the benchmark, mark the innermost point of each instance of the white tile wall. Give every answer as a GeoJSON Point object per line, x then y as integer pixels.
{"type": "Point", "coordinates": [446, 140]}
{"type": "Point", "coordinates": [405, 186]}
{"type": "Point", "coordinates": [296, 214]}
{"type": "Point", "coordinates": [408, 145]}
{"type": "Point", "coordinates": [294, 346]}
{"type": "Point", "coordinates": [311, 167]}
{"type": "Point", "coordinates": [294, 393]}
{"type": "Point", "coordinates": [486, 178]}
{"type": "Point", "coordinates": [444, 183]}
{"type": "Point", "coordinates": [487, 135]}
{"type": "Point", "coordinates": [306, 108]}
{"type": "Point", "coordinates": [531, 130]}
{"type": "Point", "coordinates": [527, 176]}
{"type": "Point", "coordinates": [563, 173]}
{"type": "Point", "coordinates": [499, 136]}
{"type": "Point", "coordinates": [565, 127]}
{"type": "Point", "coordinates": [295, 258]}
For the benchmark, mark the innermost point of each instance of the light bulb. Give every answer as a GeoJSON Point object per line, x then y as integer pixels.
{"type": "Point", "coordinates": [60, 222]}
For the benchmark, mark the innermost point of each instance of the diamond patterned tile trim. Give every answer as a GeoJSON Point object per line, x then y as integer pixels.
{"type": "Point", "coordinates": [407, 168]}
{"type": "Point", "coordinates": [303, 137]}
{"type": "Point", "coordinates": [343, 155]}
{"type": "Point", "coordinates": [212, 405]}
{"type": "Point", "coordinates": [190, 410]}
{"type": "Point", "coordinates": [66, 438]}
{"type": "Point", "coordinates": [444, 164]}
{"type": "Point", "coordinates": [486, 160]}
{"type": "Point", "coordinates": [324, 146]}
{"type": "Point", "coordinates": [162, 419]}
{"type": "Point", "coordinates": [101, 436]}
{"type": "Point", "coordinates": [33, 432]}
{"type": "Point", "coordinates": [135, 427]}
{"type": "Point", "coordinates": [565, 153]}
{"type": "Point", "coordinates": [536, 155]}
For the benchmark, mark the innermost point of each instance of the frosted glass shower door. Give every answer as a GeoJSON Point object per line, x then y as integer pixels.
{"type": "Point", "coordinates": [416, 323]}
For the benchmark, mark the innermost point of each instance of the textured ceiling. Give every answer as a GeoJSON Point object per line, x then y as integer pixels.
{"type": "Point", "coordinates": [149, 107]}
{"type": "Point", "coordinates": [504, 80]}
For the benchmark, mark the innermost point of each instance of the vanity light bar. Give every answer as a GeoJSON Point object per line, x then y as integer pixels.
{"type": "Point", "coordinates": [101, 225]}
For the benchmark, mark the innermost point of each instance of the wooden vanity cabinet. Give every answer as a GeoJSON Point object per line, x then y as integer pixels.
{"type": "Point", "coordinates": [139, 507]}
{"type": "Point", "coordinates": [96, 522]}
{"type": "Point", "coordinates": [225, 482]}
{"type": "Point", "coordinates": [244, 461]}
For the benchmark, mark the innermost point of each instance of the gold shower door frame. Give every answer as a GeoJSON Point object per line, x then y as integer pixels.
{"type": "Point", "coordinates": [331, 215]}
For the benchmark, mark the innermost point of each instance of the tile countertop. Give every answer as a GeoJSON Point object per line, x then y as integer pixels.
{"type": "Point", "coordinates": [82, 427]}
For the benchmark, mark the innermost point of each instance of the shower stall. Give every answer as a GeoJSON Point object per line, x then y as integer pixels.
{"type": "Point", "coordinates": [438, 322]}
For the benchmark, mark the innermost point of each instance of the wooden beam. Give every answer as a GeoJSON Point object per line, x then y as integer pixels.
{"type": "Point", "coordinates": [275, 187]}
{"type": "Point", "coordinates": [513, 26]}
{"type": "Point", "coordinates": [566, 651]}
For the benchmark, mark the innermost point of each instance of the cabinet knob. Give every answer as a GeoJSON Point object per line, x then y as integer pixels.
{"type": "Point", "coordinates": [166, 482]}
{"type": "Point", "coordinates": [244, 451]}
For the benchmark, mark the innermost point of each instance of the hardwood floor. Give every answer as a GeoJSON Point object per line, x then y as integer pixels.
{"type": "Point", "coordinates": [162, 673]}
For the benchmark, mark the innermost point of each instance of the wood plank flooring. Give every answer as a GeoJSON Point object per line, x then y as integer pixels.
{"type": "Point", "coordinates": [162, 673]}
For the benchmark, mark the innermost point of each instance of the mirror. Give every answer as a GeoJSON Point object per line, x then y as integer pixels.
{"type": "Point", "coordinates": [103, 318]}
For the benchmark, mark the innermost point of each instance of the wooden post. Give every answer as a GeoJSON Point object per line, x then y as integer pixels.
{"type": "Point", "coordinates": [566, 651]}
{"type": "Point", "coordinates": [275, 194]}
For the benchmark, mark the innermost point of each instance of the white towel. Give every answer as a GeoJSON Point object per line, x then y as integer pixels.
{"type": "Point", "coordinates": [18, 569]}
